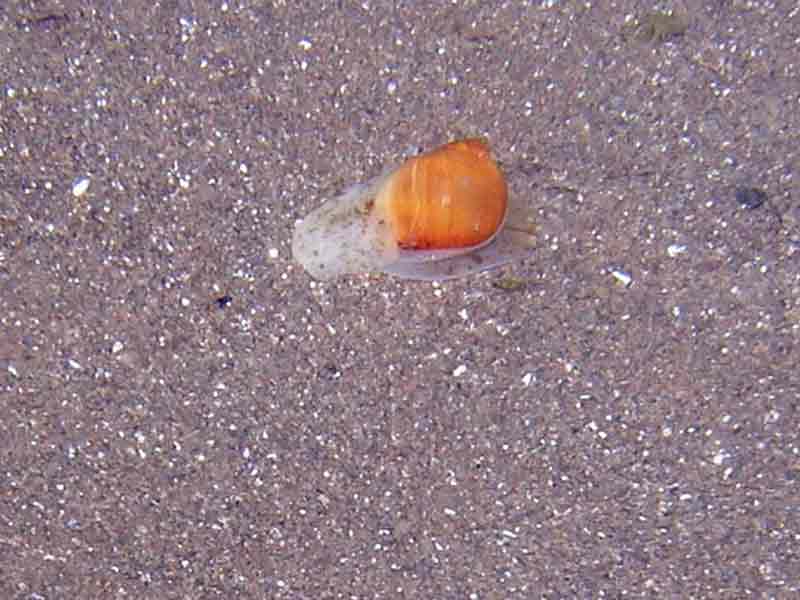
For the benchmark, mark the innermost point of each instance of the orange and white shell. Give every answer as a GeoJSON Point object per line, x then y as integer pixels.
{"type": "Point", "coordinates": [438, 216]}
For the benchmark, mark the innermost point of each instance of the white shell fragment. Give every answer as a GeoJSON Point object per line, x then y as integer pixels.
{"type": "Point", "coordinates": [621, 276]}
{"type": "Point", "coordinates": [80, 186]}
{"type": "Point", "coordinates": [674, 250]}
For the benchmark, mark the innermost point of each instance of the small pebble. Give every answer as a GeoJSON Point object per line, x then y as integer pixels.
{"type": "Point", "coordinates": [459, 370]}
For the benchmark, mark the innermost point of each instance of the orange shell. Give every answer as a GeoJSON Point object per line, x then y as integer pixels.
{"type": "Point", "coordinates": [452, 197]}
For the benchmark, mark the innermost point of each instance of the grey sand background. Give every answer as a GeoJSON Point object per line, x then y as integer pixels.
{"type": "Point", "coordinates": [185, 414]}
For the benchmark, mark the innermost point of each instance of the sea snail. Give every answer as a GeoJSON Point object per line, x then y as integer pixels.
{"type": "Point", "coordinates": [440, 215]}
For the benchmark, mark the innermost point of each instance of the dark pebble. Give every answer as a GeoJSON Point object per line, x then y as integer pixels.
{"type": "Point", "coordinates": [750, 197]}
{"type": "Point", "coordinates": [224, 301]}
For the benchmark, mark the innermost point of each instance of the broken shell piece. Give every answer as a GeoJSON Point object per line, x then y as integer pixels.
{"type": "Point", "coordinates": [80, 186]}
{"type": "Point", "coordinates": [440, 215]}
{"type": "Point", "coordinates": [621, 276]}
